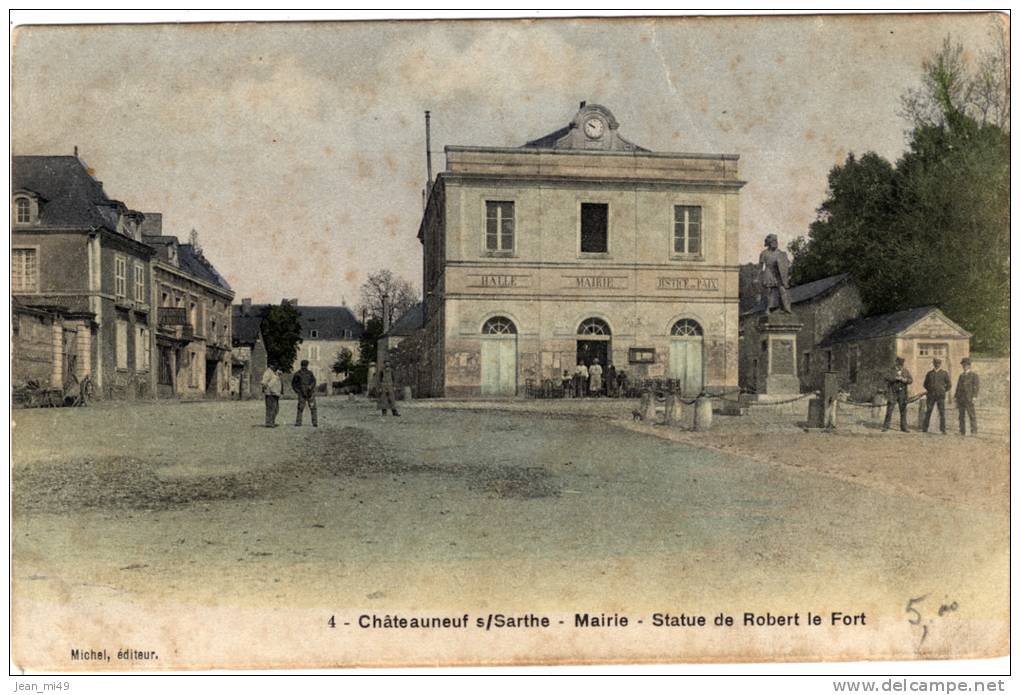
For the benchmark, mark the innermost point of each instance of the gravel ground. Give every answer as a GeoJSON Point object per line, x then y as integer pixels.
{"type": "Point", "coordinates": [195, 505]}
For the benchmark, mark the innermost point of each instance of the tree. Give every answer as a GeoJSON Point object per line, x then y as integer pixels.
{"type": "Point", "coordinates": [934, 228]}
{"type": "Point", "coordinates": [281, 331]}
{"type": "Point", "coordinates": [369, 343]}
{"type": "Point", "coordinates": [344, 361]}
{"type": "Point", "coordinates": [401, 295]}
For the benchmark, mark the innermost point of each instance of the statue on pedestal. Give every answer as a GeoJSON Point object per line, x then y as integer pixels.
{"type": "Point", "coordinates": [775, 275]}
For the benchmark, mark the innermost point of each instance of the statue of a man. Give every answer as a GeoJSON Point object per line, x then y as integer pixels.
{"type": "Point", "coordinates": [775, 275]}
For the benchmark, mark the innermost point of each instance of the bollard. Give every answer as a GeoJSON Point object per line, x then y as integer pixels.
{"type": "Point", "coordinates": [647, 407]}
{"type": "Point", "coordinates": [673, 409]}
{"type": "Point", "coordinates": [703, 414]}
{"type": "Point", "coordinates": [922, 404]}
{"type": "Point", "coordinates": [407, 393]}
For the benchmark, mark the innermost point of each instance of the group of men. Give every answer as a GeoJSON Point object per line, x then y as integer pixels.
{"type": "Point", "coordinates": [588, 381]}
{"type": "Point", "coordinates": [937, 386]}
{"type": "Point", "coordinates": [304, 385]}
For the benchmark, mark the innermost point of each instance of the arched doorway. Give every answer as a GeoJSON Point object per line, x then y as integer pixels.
{"type": "Point", "coordinates": [686, 363]}
{"type": "Point", "coordinates": [499, 357]}
{"type": "Point", "coordinates": [593, 342]}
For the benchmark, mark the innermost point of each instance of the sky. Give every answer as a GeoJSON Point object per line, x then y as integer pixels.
{"type": "Point", "coordinates": [297, 150]}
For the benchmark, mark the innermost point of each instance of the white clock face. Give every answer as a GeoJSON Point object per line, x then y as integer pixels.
{"type": "Point", "coordinates": [594, 128]}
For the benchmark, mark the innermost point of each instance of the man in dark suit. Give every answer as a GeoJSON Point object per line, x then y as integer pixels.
{"type": "Point", "coordinates": [897, 380]}
{"type": "Point", "coordinates": [967, 387]}
{"type": "Point", "coordinates": [936, 386]}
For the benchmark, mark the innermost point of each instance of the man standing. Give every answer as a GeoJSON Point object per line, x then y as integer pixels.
{"type": "Point", "coordinates": [271, 389]}
{"type": "Point", "coordinates": [387, 394]}
{"type": "Point", "coordinates": [936, 386]}
{"type": "Point", "coordinates": [611, 381]}
{"type": "Point", "coordinates": [595, 378]}
{"type": "Point", "coordinates": [898, 379]}
{"type": "Point", "coordinates": [967, 387]}
{"type": "Point", "coordinates": [581, 380]}
{"type": "Point", "coordinates": [303, 384]}
{"type": "Point", "coordinates": [775, 275]}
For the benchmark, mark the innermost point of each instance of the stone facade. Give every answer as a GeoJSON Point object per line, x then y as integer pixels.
{"type": "Point", "coordinates": [624, 245]}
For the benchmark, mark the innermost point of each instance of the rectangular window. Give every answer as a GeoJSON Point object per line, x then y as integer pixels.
{"type": "Point", "coordinates": [193, 316]}
{"type": "Point", "coordinates": [315, 334]}
{"type": "Point", "coordinates": [854, 363]}
{"type": "Point", "coordinates": [806, 363]}
{"type": "Point", "coordinates": [139, 283]}
{"type": "Point", "coordinates": [499, 225]}
{"type": "Point", "coordinates": [24, 270]}
{"type": "Point", "coordinates": [120, 276]}
{"type": "Point", "coordinates": [122, 344]}
{"type": "Point", "coordinates": [141, 348]}
{"type": "Point", "coordinates": [594, 228]}
{"type": "Point", "coordinates": [687, 230]}
{"type": "Point", "coordinates": [932, 350]}
{"type": "Point", "coordinates": [828, 360]}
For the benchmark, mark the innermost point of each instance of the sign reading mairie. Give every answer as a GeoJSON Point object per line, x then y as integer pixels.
{"type": "Point", "coordinates": [499, 281]}
{"type": "Point", "coordinates": [596, 282]}
{"type": "Point", "coordinates": [688, 283]}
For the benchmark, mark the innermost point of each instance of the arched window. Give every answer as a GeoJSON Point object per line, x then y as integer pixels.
{"type": "Point", "coordinates": [593, 327]}
{"type": "Point", "coordinates": [685, 328]}
{"type": "Point", "coordinates": [23, 210]}
{"type": "Point", "coordinates": [499, 325]}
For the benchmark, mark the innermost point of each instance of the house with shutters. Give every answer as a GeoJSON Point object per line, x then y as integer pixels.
{"type": "Point", "coordinates": [193, 333]}
{"type": "Point", "coordinates": [579, 245]}
{"type": "Point", "coordinates": [80, 254]}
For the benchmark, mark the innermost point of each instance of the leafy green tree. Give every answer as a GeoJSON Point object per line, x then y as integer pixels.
{"type": "Point", "coordinates": [369, 344]}
{"type": "Point", "coordinates": [934, 228]}
{"type": "Point", "coordinates": [281, 331]}
{"type": "Point", "coordinates": [343, 362]}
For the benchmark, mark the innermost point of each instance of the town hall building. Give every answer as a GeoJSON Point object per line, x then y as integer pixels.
{"type": "Point", "coordinates": [579, 246]}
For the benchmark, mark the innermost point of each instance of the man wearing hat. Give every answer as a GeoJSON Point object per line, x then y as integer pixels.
{"type": "Point", "coordinates": [897, 379]}
{"type": "Point", "coordinates": [967, 387]}
{"type": "Point", "coordinates": [936, 386]}
{"type": "Point", "coordinates": [303, 384]}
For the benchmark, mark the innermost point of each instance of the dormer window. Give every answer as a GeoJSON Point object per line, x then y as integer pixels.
{"type": "Point", "coordinates": [26, 209]}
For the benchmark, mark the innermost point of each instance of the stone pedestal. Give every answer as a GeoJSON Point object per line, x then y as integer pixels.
{"type": "Point", "coordinates": [777, 365]}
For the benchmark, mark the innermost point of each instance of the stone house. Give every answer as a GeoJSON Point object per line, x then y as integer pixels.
{"type": "Point", "coordinates": [579, 245]}
{"type": "Point", "coordinates": [863, 350]}
{"type": "Point", "coordinates": [193, 302]}
{"type": "Point", "coordinates": [248, 351]}
{"type": "Point", "coordinates": [325, 330]}
{"type": "Point", "coordinates": [80, 254]}
{"type": "Point", "coordinates": [821, 306]}
{"type": "Point", "coordinates": [407, 329]}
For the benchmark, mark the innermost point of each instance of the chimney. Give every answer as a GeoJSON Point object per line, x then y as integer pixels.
{"type": "Point", "coordinates": [246, 306]}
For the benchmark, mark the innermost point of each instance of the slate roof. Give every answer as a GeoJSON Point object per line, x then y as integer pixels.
{"type": "Point", "coordinates": [68, 195]}
{"type": "Point", "coordinates": [806, 292]}
{"type": "Point", "coordinates": [246, 329]}
{"type": "Point", "coordinates": [548, 141]}
{"type": "Point", "coordinates": [194, 263]}
{"type": "Point", "coordinates": [330, 322]}
{"type": "Point", "coordinates": [411, 321]}
{"type": "Point", "coordinates": [882, 325]}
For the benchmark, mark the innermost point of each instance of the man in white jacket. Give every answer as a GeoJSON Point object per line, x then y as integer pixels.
{"type": "Point", "coordinates": [272, 387]}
